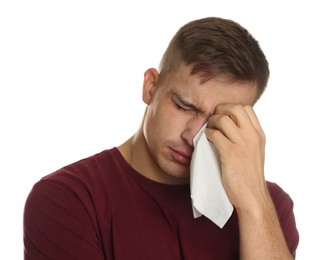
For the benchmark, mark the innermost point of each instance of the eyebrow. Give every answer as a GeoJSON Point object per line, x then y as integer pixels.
{"type": "Point", "coordinates": [186, 103]}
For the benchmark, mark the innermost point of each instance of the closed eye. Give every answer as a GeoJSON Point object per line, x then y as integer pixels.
{"type": "Point", "coordinates": [183, 105]}
{"type": "Point", "coordinates": [179, 107]}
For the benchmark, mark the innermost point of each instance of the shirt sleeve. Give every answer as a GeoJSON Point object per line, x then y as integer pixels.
{"type": "Point", "coordinates": [285, 209]}
{"type": "Point", "coordinates": [58, 225]}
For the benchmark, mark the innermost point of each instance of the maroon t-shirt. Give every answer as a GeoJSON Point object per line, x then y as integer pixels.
{"type": "Point", "coordinates": [101, 208]}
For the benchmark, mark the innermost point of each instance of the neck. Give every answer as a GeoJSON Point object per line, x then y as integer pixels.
{"type": "Point", "coordinates": [135, 151]}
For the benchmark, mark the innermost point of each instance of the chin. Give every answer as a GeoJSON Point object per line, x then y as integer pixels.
{"type": "Point", "coordinates": [180, 176]}
{"type": "Point", "coordinates": [176, 173]}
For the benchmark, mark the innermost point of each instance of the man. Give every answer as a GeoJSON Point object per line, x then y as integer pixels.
{"type": "Point", "coordinates": [133, 201]}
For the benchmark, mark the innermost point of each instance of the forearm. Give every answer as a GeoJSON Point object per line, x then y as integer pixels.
{"type": "Point", "coordinates": [240, 141]}
{"type": "Point", "coordinates": [261, 236]}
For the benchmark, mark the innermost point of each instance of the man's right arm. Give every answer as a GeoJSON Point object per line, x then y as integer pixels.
{"type": "Point", "coordinates": [57, 225]}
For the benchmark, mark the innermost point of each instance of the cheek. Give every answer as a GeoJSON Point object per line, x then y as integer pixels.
{"type": "Point", "coordinates": [154, 123]}
{"type": "Point", "coordinates": [175, 125]}
{"type": "Point", "coordinates": [165, 122]}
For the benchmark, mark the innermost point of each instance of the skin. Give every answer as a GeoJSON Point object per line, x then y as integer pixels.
{"type": "Point", "coordinates": [177, 107]}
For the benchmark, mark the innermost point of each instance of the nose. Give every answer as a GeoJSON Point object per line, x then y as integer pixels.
{"type": "Point", "coordinates": [191, 130]}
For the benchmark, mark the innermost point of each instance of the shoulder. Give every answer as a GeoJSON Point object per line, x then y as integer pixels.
{"type": "Point", "coordinates": [281, 199]}
{"type": "Point", "coordinates": [63, 209]}
{"type": "Point", "coordinates": [86, 181]}
{"type": "Point", "coordinates": [284, 206]}
{"type": "Point", "coordinates": [278, 194]}
{"type": "Point", "coordinates": [275, 189]}
{"type": "Point", "coordinates": [87, 172]}
{"type": "Point", "coordinates": [83, 184]}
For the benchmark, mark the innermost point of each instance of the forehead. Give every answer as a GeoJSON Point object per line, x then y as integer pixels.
{"type": "Point", "coordinates": [223, 89]}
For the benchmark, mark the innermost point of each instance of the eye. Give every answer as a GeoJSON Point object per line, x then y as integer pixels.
{"type": "Point", "coordinates": [179, 107]}
{"type": "Point", "coordinates": [182, 107]}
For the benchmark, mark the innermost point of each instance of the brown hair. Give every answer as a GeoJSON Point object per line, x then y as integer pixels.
{"type": "Point", "coordinates": [217, 47]}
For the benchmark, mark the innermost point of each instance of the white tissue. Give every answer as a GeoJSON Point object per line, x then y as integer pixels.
{"type": "Point", "coordinates": [208, 195]}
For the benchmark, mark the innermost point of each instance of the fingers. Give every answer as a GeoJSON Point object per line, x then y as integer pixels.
{"type": "Point", "coordinates": [254, 120]}
{"type": "Point", "coordinates": [235, 122]}
{"type": "Point", "coordinates": [236, 112]}
{"type": "Point", "coordinates": [225, 125]}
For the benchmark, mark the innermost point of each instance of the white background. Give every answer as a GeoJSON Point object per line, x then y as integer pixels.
{"type": "Point", "coordinates": [70, 86]}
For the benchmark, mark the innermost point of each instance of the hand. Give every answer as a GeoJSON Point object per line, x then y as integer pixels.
{"type": "Point", "coordinates": [240, 141]}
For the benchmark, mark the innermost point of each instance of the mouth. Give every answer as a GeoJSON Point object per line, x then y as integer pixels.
{"type": "Point", "coordinates": [181, 157]}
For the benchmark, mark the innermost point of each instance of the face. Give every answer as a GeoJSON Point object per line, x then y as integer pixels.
{"type": "Point", "coordinates": [177, 108]}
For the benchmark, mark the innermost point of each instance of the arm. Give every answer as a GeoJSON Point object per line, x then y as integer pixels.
{"type": "Point", "coordinates": [261, 236]}
{"type": "Point", "coordinates": [240, 141]}
{"type": "Point", "coordinates": [57, 225]}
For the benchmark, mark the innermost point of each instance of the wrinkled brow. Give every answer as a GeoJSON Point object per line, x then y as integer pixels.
{"type": "Point", "coordinates": [186, 103]}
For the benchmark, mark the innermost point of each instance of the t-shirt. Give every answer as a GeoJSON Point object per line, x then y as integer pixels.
{"type": "Point", "coordinates": [101, 208]}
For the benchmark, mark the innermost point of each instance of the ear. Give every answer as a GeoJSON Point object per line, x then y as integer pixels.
{"type": "Point", "coordinates": [150, 81]}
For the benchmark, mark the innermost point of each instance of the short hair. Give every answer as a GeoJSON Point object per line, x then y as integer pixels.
{"type": "Point", "coordinates": [217, 47]}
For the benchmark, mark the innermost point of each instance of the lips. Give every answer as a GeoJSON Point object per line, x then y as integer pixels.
{"type": "Point", "coordinates": [182, 157]}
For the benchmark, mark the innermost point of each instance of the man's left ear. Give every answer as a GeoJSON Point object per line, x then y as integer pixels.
{"type": "Point", "coordinates": [151, 77]}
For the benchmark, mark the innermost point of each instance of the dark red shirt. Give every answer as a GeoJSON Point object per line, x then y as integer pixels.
{"type": "Point", "coordinates": [101, 208]}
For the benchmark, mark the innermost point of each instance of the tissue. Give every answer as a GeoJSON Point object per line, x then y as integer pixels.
{"type": "Point", "coordinates": [208, 195]}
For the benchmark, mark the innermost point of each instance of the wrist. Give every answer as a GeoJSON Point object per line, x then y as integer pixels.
{"type": "Point", "coordinates": [256, 207]}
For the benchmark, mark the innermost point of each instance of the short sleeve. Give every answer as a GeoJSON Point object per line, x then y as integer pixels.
{"type": "Point", "coordinates": [57, 225]}
{"type": "Point", "coordinates": [285, 210]}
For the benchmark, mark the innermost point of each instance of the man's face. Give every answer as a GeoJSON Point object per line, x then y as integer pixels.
{"type": "Point", "coordinates": [177, 108]}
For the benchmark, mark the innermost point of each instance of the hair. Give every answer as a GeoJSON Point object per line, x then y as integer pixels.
{"type": "Point", "coordinates": [217, 47]}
